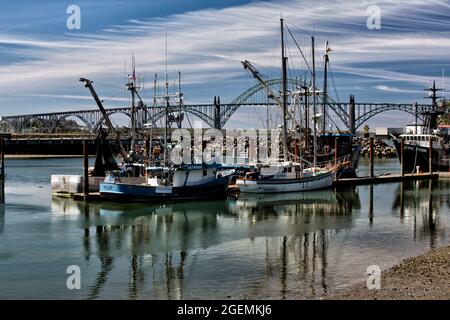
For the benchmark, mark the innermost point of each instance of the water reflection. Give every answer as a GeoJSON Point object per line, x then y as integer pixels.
{"type": "Point", "coordinates": [162, 239]}
{"type": "Point", "coordinates": [274, 245]}
{"type": "Point", "coordinates": [2, 217]}
{"type": "Point", "coordinates": [421, 201]}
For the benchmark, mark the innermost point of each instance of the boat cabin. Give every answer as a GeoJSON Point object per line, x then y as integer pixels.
{"type": "Point", "coordinates": [423, 140]}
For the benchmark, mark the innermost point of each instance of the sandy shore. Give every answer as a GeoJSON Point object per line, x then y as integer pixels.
{"type": "Point", "coordinates": [423, 277]}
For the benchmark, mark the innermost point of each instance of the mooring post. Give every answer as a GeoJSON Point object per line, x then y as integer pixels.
{"type": "Point", "coordinates": [430, 156]}
{"type": "Point", "coordinates": [86, 169]}
{"type": "Point", "coordinates": [402, 162]}
{"type": "Point", "coordinates": [371, 204]}
{"type": "Point", "coordinates": [336, 144]}
{"type": "Point", "coordinates": [2, 169]}
{"type": "Point", "coordinates": [371, 157]}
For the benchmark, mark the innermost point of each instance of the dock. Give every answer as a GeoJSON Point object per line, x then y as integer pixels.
{"type": "Point", "coordinates": [388, 178]}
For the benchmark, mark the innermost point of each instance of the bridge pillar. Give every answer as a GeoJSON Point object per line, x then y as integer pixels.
{"type": "Point", "coordinates": [351, 115]}
{"type": "Point", "coordinates": [217, 113]}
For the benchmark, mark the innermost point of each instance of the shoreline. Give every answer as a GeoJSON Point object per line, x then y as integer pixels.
{"type": "Point", "coordinates": [40, 156]}
{"type": "Point", "coordinates": [424, 277]}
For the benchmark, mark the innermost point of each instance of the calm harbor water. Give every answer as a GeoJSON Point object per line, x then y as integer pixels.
{"type": "Point", "coordinates": [292, 246]}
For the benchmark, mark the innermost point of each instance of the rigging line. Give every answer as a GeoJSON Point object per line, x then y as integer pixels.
{"type": "Point", "coordinates": [334, 84]}
{"type": "Point", "coordinates": [298, 47]}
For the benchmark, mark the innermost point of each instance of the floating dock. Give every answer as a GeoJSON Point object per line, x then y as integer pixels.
{"type": "Point", "coordinates": [389, 178]}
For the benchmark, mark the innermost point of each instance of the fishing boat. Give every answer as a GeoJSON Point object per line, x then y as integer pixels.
{"type": "Point", "coordinates": [184, 182]}
{"type": "Point", "coordinates": [288, 176]}
{"type": "Point", "coordinates": [417, 140]}
{"type": "Point", "coordinates": [285, 177]}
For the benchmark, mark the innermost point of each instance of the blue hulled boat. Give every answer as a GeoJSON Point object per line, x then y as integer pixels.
{"type": "Point", "coordinates": [185, 182]}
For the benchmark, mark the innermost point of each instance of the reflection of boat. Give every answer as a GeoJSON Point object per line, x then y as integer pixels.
{"type": "Point", "coordinates": [327, 203]}
{"type": "Point", "coordinates": [188, 182]}
{"type": "Point", "coordinates": [420, 202]}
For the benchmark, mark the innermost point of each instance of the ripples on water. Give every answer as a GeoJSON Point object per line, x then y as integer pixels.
{"type": "Point", "coordinates": [292, 246]}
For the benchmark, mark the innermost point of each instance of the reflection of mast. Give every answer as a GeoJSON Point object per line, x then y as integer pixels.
{"type": "Point", "coordinates": [2, 218]}
{"type": "Point", "coordinates": [283, 275]}
{"type": "Point", "coordinates": [106, 262]}
{"type": "Point", "coordinates": [371, 204]}
{"type": "Point", "coordinates": [431, 217]}
{"type": "Point", "coordinates": [324, 261]}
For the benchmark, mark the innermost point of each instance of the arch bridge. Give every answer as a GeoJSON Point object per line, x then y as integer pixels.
{"type": "Point", "coordinates": [351, 115]}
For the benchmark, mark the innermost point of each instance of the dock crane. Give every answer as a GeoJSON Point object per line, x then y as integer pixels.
{"type": "Point", "coordinates": [88, 84]}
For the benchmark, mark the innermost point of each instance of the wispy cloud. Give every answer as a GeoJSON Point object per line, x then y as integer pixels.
{"type": "Point", "coordinates": [208, 45]}
{"type": "Point", "coordinates": [394, 89]}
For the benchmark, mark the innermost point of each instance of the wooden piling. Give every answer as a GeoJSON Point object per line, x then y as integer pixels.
{"type": "Point", "coordinates": [86, 169]}
{"type": "Point", "coordinates": [430, 156]}
{"type": "Point", "coordinates": [402, 162]}
{"type": "Point", "coordinates": [371, 158]}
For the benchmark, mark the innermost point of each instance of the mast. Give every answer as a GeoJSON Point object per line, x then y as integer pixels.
{"type": "Point", "coordinates": [166, 105]}
{"type": "Point", "coordinates": [325, 93]}
{"type": "Point", "coordinates": [314, 102]}
{"type": "Point", "coordinates": [132, 87]}
{"type": "Point", "coordinates": [283, 93]}
{"type": "Point", "coordinates": [180, 101]}
{"type": "Point", "coordinates": [166, 122]}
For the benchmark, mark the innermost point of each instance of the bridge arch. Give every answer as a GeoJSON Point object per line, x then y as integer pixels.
{"type": "Point", "coordinates": [383, 108]}
{"type": "Point", "coordinates": [226, 114]}
{"type": "Point", "coordinates": [97, 125]}
{"type": "Point", "coordinates": [161, 113]}
{"type": "Point", "coordinates": [45, 122]}
{"type": "Point", "coordinates": [57, 122]}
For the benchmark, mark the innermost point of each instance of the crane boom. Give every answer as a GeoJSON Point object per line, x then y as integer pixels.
{"type": "Point", "coordinates": [105, 115]}
{"type": "Point", "coordinates": [248, 66]}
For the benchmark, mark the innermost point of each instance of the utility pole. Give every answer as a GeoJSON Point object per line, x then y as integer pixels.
{"type": "Point", "coordinates": [284, 93]}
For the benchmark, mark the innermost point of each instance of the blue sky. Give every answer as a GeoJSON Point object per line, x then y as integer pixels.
{"type": "Point", "coordinates": [41, 60]}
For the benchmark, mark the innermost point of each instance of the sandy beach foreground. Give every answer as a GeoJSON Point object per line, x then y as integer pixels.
{"type": "Point", "coordinates": [425, 277]}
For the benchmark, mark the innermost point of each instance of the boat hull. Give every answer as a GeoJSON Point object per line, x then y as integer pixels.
{"type": "Point", "coordinates": [418, 156]}
{"type": "Point", "coordinates": [321, 181]}
{"type": "Point", "coordinates": [216, 189]}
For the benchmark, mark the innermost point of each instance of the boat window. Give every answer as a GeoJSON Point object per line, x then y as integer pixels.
{"type": "Point", "coordinates": [205, 173]}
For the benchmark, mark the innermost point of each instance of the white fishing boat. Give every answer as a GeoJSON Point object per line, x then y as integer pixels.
{"type": "Point", "coordinates": [285, 177]}
{"type": "Point", "coordinates": [288, 176]}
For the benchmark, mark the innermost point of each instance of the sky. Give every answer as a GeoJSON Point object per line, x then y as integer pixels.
{"type": "Point", "coordinates": [41, 59]}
